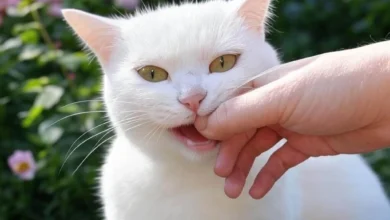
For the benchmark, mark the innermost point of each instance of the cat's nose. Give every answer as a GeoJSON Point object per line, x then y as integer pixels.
{"type": "Point", "coordinates": [192, 101]}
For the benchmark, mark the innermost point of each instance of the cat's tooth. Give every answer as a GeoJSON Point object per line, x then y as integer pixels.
{"type": "Point", "coordinates": [191, 143]}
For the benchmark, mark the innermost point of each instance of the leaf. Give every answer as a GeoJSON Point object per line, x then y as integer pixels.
{"type": "Point", "coordinates": [23, 11]}
{"type": "Point", "coordinates": [49, 135]}
{"type": "Point", "coordinates": [35, 6]}
{"type": "Point", "coordinates": [89, 123]}
{"type": "Point", "coordinates": [71, 108]}
{"type": "Point", "coordinates": [4, 100]}
{"type": "Point", "coordinates": [73, 61]}
{"type": "Point", "coordinates": [20, 28]}
{"type": "Point", "coordinates": [96, 105]}
{"type": "Point", "coordinates": [32, 115]}
{"type": "Point", "coordinates": [49, 56]}
{"type": "Point", "coordinates": [35, 85]}
{"type": "Point", "coordinates": [10, 44]}
{"type": "Point", "coordinates": [50, 96]}
{"type": "Point", "coordinates": [30, 52]}
{"type": "Point", "coordinates": [30, 36]}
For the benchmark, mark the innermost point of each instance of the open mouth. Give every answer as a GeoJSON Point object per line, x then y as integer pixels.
{"type": "Point", "coordinates": [191, 138]}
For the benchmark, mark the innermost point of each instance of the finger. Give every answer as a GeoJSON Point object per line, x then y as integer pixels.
{"type": "Point", "coordinates": [259, 107]}
{"type": "Point", "coordinates": [280, 71]}
{"type": "Point", "coordinates": [283, 159]}
{"type": "Point", "coordinates": [263, 140]}
{"type": "Point", "coordinates": [252, 110]}
{"type": "Point", "coordinates": [229, 152]}
{"type": "Point", "coordinates": [310, 145]}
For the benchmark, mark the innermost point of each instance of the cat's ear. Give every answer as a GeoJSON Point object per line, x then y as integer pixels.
{"type": "Point", "coordinates": [98, 33]}
{"type": "Point", "coordinates": [255, 13]}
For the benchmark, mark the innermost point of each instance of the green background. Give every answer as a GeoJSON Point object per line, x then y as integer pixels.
{"type": "Point", "coordinates": [31, 68]}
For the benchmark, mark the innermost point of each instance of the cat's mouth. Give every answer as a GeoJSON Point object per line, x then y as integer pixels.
{"type": "Point", "coordinates": [190, 137]}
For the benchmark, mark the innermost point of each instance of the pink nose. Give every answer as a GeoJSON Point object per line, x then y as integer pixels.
{"type": "Point", "coordinates": [192, 102]}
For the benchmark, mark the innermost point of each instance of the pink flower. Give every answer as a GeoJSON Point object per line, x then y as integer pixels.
{"type": "Point", "coordinates": [55, 9]}
{"type": "Point", "coordinates": [128, 4]}
{"type": "Point", "coordinates": [71, 76]}
{"type": "Point", "coordinates": [22, 164]}
{"type": "Point", "coordinates": [3, 6]}
{"type": "Point", "coordinates": [13, 2]}
{"type": "Point", "coordinates": [5, 3]}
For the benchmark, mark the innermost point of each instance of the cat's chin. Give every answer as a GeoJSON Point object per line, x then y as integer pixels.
{"type": "Point", "coordinates": [192, 139]}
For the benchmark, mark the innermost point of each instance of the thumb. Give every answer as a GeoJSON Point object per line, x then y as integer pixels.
{"type": "Point", "coordinates": [255, 109]}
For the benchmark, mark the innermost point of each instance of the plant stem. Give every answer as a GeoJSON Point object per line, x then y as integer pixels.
{"type": "Point", "coordinates": [45, 35]}
{"type": "Point", "coordinates": [49, 42]}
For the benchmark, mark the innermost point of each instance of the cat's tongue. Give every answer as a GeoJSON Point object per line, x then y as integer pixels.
{"type": "Point", "coordinates": [191, 133]}
{"type": "Point", "coordinates": [191, 138]}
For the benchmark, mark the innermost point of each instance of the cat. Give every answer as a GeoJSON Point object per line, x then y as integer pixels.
{"type": "Point", "coordinates": [162, 68]}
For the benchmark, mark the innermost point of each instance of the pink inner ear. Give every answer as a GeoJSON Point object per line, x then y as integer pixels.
{"type": "Point", "coordinates": [96, 32]}
{"type": "Point", "coordinates": [254, 13]}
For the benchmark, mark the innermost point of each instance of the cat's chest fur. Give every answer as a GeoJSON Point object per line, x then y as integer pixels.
{"type": "Point", "coordinates": [134, 187]}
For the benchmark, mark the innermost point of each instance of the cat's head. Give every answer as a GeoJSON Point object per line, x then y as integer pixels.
{"type": "Point", "coordinates": [163, 67]}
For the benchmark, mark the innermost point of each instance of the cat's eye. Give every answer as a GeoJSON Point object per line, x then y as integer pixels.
{"type": "Point", "coordinates": [223, 63]}
{"type": "Point", "coordinates": [153, 73]}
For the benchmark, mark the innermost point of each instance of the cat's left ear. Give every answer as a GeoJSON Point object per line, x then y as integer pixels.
{"type": "Point", "coordinates": [255, 13]}
{"type": "Point", "coordinates": [98, 33]}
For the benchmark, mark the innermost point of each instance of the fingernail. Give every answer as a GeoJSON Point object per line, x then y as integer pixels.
{"type": "Point", "coordinates": [201, 123]}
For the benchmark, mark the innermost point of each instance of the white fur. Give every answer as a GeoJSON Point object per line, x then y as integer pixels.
{"type": "Point", "coordinates": [149, 175]}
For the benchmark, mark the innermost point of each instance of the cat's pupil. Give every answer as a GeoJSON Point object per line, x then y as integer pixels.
{"type": "Point", "coordinates": [222, 61]}
{"type": "Point", "coordinates": [152, 74]}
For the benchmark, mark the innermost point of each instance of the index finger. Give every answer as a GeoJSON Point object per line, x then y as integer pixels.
{"type": "Point", "coordinates": [251, 110]}
{"type": "Point", "coordinates": [257, 108]}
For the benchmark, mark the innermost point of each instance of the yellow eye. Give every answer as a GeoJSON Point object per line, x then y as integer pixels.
{"type": "Point", "coordinates": [223, 63]}
{"type": "Point", "coordinates": [153, 73]}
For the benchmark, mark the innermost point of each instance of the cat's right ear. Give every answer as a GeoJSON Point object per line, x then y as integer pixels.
{"type": "Point", "coordinates": [98, 33]}
{"type": "Point", "coordinates": [256, 13]}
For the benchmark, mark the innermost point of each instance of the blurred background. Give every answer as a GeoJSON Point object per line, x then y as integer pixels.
{"type": "Point", "coordinates": [45, 77]}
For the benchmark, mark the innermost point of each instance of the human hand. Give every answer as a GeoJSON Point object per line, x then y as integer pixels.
{"type": "Point", "coordinates": [334, 103]}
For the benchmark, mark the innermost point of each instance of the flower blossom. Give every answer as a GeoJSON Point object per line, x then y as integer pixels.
{"type": "Point", "coordinates": [128, 4]}
{"type": "Point", "coordinates": [22, 164]}
{"type": "Point", "coordinates": [54, 8]}
{"type": "Point", "coordinates": [4, 4]}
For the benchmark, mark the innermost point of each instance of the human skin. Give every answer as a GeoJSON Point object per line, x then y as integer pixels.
{"type": "Point", "coordinates": [330, 104]}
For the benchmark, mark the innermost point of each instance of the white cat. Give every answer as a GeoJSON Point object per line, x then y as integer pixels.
{"type": "Point", "coordinates": [163, 67]}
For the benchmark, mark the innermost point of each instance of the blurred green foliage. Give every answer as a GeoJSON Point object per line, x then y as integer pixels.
{"type": "Point", "coordinates": [42, 69]}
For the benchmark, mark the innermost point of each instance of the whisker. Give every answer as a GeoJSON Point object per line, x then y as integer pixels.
{"type": "Point", "coordinates": [109, 129]}
{"type": "Point", "coordinates": [94, 149]}
{"type": "Point", "coordinates": [91, 152]}
{"type": "Point", "coordinates": [103, 137]}
{"type": "Point", "coordinates": [81, 137]}
{"type": "Point", "coordinates": [162, 130]}
{"type": "Point", "coordinates": [151, 134]}
{"type": "Point", "coordinates": [91, 100]}
{"type": "Point", "coordinates": [70, 154]}
{"type": "Point", "coordinates": [79, 113]}
{"type": "Point", "coordinates": [135, 111]}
